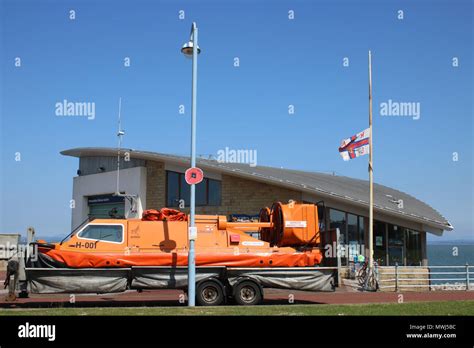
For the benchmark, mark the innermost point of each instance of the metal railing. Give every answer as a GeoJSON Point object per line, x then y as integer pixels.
{"type": "Point", "coordinates": [460, 274]}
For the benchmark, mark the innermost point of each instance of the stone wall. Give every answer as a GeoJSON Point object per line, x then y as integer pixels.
{"type": "Point", "coordinates": [156, 185]}
{"type": "Point", "coordinates": [405, 276]}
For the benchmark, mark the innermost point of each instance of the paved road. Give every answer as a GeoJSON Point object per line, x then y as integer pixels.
{"type": "Point", "coordinates": [272, 296]}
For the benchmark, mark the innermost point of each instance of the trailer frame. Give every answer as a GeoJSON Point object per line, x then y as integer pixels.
{"type": "Point", "coordinates": [223, 278]}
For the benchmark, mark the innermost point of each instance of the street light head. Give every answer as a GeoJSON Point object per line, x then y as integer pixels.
{"type": "Point", "coordinates": [187, 49]}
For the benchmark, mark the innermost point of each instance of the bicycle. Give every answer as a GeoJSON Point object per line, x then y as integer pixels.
{"type": "Point", "coordinates": [366, 279]}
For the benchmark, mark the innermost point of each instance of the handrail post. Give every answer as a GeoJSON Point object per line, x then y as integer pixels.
{"type": "Point", "coordinates": [430, 283]}
{"type": "Point", "coordinates": [396, 276]}
{"type": "Point", "coordinates": [467, 276]}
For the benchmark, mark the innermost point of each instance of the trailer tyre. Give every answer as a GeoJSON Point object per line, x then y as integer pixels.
{"type": "Point", "coordinates": [248, 293]}
{"type": "Point", "coordinates": [210, 293]}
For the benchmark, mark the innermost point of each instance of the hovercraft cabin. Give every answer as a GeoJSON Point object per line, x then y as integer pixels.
{"type": "Point", "coordinates": [152, 180]}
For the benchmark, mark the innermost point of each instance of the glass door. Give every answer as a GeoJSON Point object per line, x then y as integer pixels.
{"type": "Point", "coordinates": [380, 243]}
{"type": "Point", "coordinates": [395, 245]}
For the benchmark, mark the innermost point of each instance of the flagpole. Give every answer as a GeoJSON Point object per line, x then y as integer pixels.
{"type": "Point", "coordinates": [371, 180]}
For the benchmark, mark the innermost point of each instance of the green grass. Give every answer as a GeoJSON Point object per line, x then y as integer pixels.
{"type": "Point", "coordinates": [412, 308]}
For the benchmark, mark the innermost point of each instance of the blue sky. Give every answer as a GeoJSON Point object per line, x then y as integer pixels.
{"type": "Point", "coordinates": [282, 62]}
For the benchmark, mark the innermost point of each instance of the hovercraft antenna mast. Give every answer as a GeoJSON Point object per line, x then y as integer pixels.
{"type": "Point", "coordinates": [120, 133]}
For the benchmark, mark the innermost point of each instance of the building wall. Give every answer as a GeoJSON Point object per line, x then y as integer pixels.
{"type": "Point", "coordinates": [100, 164]}
{"type": "Point", "coordinates": [156, 185]}
{"type": "Point", "coordinates": [132, 181]}
{"type": "Point", "coordinates": [242, 196]}
{"type": "Point", "coordinates": [239, 196]}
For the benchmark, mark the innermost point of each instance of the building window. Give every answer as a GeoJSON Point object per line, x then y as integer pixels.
{"type": "Point", "coordinates": [172, 189]}
{"type": "Point", "coordinates": [351, 231]}
{"type": "Point", "coordinates": [108, 233]}
{"type": "Point", "coordinates": [208, 192]}
{"type": "Point", "coordinates": [321, 217]}
{"type": "Point", "coordinates": [352, 228]}
{"type": "Point", "coordinates": [355, 236]}
{"type": "Point", "coordinates": [106, 207]}
{"type": "Point", "coordinates": [413, 247]}
{"type": "Point", "coordinates": [214, 192]}
{"type": "Point", "coordinates": [337, 219]}
{"type": "Point", "coordinates": [380, 243]}
{"type": "Point", "coordinates": [392, 244]}
{"type": "Point", "coordinates": [395, 245]}
{"type": "Point", "coordinates": [361, 230]}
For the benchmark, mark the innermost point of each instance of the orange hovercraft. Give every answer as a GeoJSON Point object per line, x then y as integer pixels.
{"type": "Point", "coordinates": [114, 255]}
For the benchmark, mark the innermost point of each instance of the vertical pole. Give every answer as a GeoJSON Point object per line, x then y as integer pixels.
{"type": "Point", "coordinates": [371, 180]}
{"type": "Point", "coordinates": [30, 238]}
{"type": "Point", "coordinates": [191, 256]}
{"type": "Point", "coordinates": [119, 134]}
{"type": "Point", "coordinates": [396, 276]}
{"type": "Point", "coordinates": [467, 276]}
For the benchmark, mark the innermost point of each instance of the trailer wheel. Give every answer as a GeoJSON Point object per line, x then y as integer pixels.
{"type": "Point", "coordinates": [247, 293]}
{"type": "Point", "coordinates": [210, 293]}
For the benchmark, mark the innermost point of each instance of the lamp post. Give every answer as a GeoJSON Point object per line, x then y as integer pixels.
{"type": "Point", "coordinates": [191, 49]}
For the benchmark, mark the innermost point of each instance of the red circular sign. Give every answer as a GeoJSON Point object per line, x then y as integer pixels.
{"type": "Point", "coordinates": [193, 176]}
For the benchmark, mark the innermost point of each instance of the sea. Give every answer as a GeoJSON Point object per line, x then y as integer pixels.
{"type": "Point", "coordinates": [455, 254]}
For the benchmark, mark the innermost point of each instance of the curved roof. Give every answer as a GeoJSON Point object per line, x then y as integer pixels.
{"type": "Point", "coordinates": [339, 188]}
